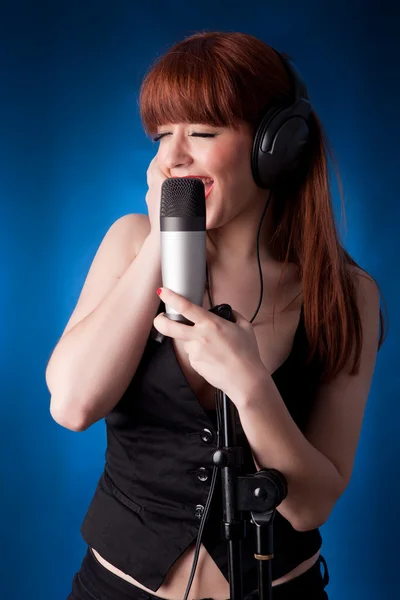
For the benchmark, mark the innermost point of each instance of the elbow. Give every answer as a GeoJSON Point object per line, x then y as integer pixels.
{"type": "Point", "coordinates": [315, 515]}
{"type": "Point", "coordinates": [312, 520]}
{"type": "Point", "coordinates": [67, 419]}
{"type": "Point", "coordinates": [302, 525]}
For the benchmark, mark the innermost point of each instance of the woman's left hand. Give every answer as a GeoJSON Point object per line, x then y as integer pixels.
{"type": "Point", "coordinates": [225, 353]}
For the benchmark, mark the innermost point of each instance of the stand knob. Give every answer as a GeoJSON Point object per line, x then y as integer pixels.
{"type": "Point", "coordinates": [220, 458]}
{"type": "Point", "coordinates": [260, 493]}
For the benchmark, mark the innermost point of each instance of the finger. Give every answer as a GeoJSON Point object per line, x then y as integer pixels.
{"type": "Point", "coordinates": [173, 329]}
{"type": "Point", "coordinates": [183, 306]}
{"type": "Point", "coordinates": [239, 319]}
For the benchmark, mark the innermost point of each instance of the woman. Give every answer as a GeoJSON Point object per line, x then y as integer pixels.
{"type": "Point", "coordinates": [299, 376]}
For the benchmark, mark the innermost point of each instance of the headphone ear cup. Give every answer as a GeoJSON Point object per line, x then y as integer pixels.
{"type": "Point", "coordinates": [277, 147]}
{"type": "Point", "coordinates": [260, 138]}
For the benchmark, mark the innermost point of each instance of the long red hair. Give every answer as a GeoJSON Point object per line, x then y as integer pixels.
{"type": "Point", "coordinates": [220, 78]}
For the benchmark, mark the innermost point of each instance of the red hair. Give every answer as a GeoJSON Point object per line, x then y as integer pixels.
{"type": "Point", "coordinates": [220, 78]}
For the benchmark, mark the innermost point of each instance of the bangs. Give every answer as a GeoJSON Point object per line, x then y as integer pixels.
{"type": "Point", "coordinates": [189, 87]}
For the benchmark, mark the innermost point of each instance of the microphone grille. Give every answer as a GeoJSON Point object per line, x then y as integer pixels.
{"type": "Point", "coordinates": [183, 197]}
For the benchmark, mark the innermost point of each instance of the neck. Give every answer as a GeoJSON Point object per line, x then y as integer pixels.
{"type": "Point", "coordinates": [234, 244]}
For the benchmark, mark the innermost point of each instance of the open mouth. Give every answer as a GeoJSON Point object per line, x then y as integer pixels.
{"type": "Point", "coordinates": [208, 183]}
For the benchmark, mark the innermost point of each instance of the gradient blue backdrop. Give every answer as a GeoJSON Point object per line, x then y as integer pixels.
{"type": "Point", "coordinates": [73, 158]}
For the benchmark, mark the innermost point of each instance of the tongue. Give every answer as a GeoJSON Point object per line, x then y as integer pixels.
{"type": "Point", "coordinates": [207, 187]}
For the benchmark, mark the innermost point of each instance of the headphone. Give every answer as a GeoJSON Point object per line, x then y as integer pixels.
{"type": "Point", "coordinates": [282, 133]}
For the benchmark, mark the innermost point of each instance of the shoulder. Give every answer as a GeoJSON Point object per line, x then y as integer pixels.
{"type": "Point", "coordinates": [360, 274]}
{"type": "Point", "coordinates": [368, 296]}
{"type": "Point", "coordinates": [131, 230]}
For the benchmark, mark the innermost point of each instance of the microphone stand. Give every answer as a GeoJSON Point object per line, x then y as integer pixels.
{"type": "Point", "coordinates": [258, 494]}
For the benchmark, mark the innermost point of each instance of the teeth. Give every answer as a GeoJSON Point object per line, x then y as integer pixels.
{"type": "Point", "coordinates": [205, 180]}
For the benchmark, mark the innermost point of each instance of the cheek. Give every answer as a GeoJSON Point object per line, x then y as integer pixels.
{"type": "Point", "coordinates": [160, 155]}
{"type": "Point", "coordinates": [234, 166]}
{"type": "Point", "coordinates": [226, 162]}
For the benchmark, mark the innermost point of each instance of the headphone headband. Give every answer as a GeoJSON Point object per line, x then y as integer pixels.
{"type": "Point", "coordinates": [298, 84]}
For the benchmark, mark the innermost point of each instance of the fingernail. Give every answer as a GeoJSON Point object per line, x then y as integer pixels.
{"type": "Point", "coordinates": [159, 291]}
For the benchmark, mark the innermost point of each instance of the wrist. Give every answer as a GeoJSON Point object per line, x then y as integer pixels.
{"type": "Point", "coordinates": [251, 383]}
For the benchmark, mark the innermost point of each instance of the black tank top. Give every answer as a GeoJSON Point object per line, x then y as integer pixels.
{"type": "Point", "coordinates": [147, 506]}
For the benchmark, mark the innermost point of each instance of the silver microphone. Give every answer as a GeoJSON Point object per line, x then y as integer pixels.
{"type": "Point", "coordinates": [183, 240]}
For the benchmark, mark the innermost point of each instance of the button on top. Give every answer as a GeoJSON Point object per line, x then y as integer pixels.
{"type": "Point", "coordinates": [207, 436]}
{"type": "Point", "coordinates": [199, 511]}
{"type": "Point", "coordinates": [202, 474]}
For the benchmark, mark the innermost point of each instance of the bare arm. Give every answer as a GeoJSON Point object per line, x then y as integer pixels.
{"type": "Point", "coordinates": [94, 362]}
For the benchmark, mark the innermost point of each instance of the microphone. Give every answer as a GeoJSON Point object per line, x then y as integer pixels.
{"type": "Point", "coordinates": [183, 240]}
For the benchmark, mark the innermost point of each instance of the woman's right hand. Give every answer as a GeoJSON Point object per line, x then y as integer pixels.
{"type": "Point", "coordinates": [155, 178]}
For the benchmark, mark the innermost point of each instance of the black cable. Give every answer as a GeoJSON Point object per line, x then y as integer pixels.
{"type": "Point", "coordinates": [208, 503]}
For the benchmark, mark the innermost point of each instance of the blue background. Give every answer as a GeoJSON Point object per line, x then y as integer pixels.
{"type": "Point", "coordinates": [73, 158]}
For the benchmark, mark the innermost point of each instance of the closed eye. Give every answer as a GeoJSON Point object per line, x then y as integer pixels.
{"type": "Point", "coordinates": [203, 135]}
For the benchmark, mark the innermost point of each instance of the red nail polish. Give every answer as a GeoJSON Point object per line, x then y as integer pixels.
{"type": "Point", "coordinates": [159, 291]}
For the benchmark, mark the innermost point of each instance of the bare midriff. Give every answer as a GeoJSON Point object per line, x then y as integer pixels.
{"type": "Point", "coordinates": [208, 581]}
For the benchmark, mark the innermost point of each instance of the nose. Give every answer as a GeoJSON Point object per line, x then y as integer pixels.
{"type": "Point", "coordinates": [175, 152]}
